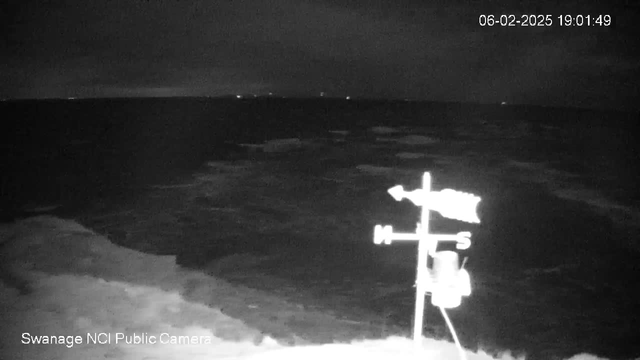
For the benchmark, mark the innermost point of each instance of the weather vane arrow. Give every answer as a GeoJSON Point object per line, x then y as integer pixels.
{"type": "Point", "coordinates": [449, 203]}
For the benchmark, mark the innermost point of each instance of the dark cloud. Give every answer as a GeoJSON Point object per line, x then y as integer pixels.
{"type": "Point", "coordinates": [399, 48]}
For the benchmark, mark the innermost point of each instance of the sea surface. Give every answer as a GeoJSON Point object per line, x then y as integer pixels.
{"type": "Point", "coordinates": [560, 224]}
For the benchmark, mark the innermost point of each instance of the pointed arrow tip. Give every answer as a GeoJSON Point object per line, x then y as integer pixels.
{"type": "Point", "coordinates": [397, 192]}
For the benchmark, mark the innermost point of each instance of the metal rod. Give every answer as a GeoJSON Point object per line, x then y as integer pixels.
{"type": "Point", "coordinates": [422, 271]}
{"type": "Point", "coordinates": [431, 237]}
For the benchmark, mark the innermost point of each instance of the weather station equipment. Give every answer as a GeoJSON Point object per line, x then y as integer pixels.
{"type": "Point", "coordinates": [446, 280]}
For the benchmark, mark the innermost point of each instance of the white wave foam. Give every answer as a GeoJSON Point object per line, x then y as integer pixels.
{"type": "Point", "coordinates": [143, 296]}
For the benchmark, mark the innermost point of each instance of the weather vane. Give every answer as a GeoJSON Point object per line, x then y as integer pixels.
{"type": "Point", "coordinates": [445, 280]}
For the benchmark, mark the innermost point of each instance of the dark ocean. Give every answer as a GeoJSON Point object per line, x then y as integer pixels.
{"type": "Point", "coordinates": [537, 237]}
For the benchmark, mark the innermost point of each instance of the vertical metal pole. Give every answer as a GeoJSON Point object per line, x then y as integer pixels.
{"type": "Point", "coordinates": [422, 271]}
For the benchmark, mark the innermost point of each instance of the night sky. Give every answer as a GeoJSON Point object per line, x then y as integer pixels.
{"type": "Point", "coordinates": [426, 50]}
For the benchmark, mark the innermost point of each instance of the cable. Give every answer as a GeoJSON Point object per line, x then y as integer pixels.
{"type": "Point", "coordinates": [453, 332]}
